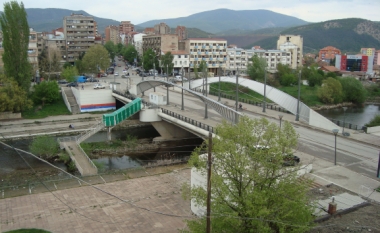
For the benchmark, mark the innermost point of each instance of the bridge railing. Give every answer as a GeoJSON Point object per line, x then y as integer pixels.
{"type": "Point", "coordinates": [88, 158]}
{"type": "Point", "coordinates": [189, 120]}
{"type": "Point", "coordinates": [348, 125]}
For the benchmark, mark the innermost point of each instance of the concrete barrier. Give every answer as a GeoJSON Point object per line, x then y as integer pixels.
{"type": "Point", "coordinates": [9, 115]}
{"type": "Point", "coordinates": [375, 129]}
{"type": "Point", "coordinates": [65, 99]}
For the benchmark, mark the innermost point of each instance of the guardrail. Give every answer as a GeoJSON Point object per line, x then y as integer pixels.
{"type": "Point", "coordinates": [348, 125]}
{"type": "Point", "coordinates": [189, 120]}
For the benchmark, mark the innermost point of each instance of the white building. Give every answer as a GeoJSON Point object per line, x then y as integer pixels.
{"type": "Point", "coordinates": [138, 42]}
{"type": "Point", "coordinates": [180, 59]}
{"type": "Point", "coordinates": [238, 58]}
{"type": "Point", "coordinates": [293, 44]}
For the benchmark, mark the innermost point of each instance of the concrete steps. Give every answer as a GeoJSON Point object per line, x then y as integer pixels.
{"type": "Point", "coordinates": [73, 103]}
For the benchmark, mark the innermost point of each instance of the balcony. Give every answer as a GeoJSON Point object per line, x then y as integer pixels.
{"type": "Point", "coordinates": [204, 59]}
{"type": "Point", "coordinates": [225, 59]}
{"type": "Point", "coordinates": [199, 52]}
{"type": "Point", "coordinates": [211, 47]}
{"type": "Point", "coordinates": [196, 46]}
{"type": "Point", "coordinates": [203, 46]}
{"type": "Point", "coordinates": [191, 52]}
{"type": "Point", "coordinates": [206, 52]}
{"type": "Point", "coordinates": [218, 47]}
{"type": "Point", "coordinates": [210, 58]}
{"type": "Point", "coordinates": [221, 52]}
{"type": "Point", "coordinates": [218, 58]}
{"type": "Point", "coordinates": [196, 59]}
{"type": "Point", "coordinates": [213, 64]}
{"type": "Point", "coordinates": [191, 64]}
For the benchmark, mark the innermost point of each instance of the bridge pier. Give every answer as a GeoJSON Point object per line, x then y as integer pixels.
{"type": "Point", "coordinates": [109, 135]}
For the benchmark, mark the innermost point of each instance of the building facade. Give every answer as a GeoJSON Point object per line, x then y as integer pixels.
{"type": "Point", "coordinates": [126, 27]}
{"type": "Point", "coordinates": [180, 60]}
{"type": "Point", "coordinates": [112, 34]}
{"type": "Point", "coordinates": [161, 29]}
{"type": "Point", "coordinates": [328, 53]}
{"type": "Point", "coordinates": [181, 32]}
{"type": "Point", "coordinates": [368, 51]}
{"type": "Point", "coordinates": [238, 58]}
{"type": "Point", "coordinates": [33, 49]}
{"type": "Point", "coordinates": [212, 51]}
{"type": "Point", "coordinates": [56, 41]}
{"type": "Point", "coordinates": [138, 42]}
{"type": "Point", "coordinates": [79, 32]}
{"type": "Point", "coordinates": [294, 45]}
{"type": "Point", "coordinates": [376, 58]}
{"type": "Point", "coordinates": [354, 63]}
{"type": "Point", "coordinates": [167, 42]}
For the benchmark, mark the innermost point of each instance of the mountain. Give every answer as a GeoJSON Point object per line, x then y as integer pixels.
{"type": "Point", "coordinates": [264, 31]}
{"type": "Point", "coordinates": [348, 35]}
{"type": "Point", "coordinates": [45, 20]}
{"type": "Point", "coordinates": [219, 20]}
{"type": "Point", "coordinates": [195, 33]}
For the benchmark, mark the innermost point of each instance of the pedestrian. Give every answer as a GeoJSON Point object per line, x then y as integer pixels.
{"type": "Point", "coordinates": [82, 87]}
{"type": "Point", "coordinates": [240, 106]}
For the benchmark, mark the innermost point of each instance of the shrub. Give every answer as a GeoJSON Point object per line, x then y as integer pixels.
{"type": "Point", "coordinates": [331, 91]}
{"type": "Point", "coordinates": [315, 79]}
{"type": "Point", "coordinates": [353, 90]}
{"type": "Point", "coordinates": [46, 92]}
{"type": "Point", "coordinates": [44, 146]}
{"type": "Point", "coordinates": [374, 122]}
{"type": "Point", "coordinates": [288, 79]}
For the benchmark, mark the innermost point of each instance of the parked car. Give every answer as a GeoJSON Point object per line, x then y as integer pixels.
{"type": "Point", "coordinates": [104, 75]}
{"type": "Point", "coordinates": [92, 80]}
{"type": "Point", "coordinates": [62, 82]}
{"type": "Point", "coordinates": [72, 84]}
{"type": "Point", "coordinates": [119, 65]}
{"type": "Point", "coordinates": [99, 86]}
{"type": "Point", "coordinates": [116, 73]}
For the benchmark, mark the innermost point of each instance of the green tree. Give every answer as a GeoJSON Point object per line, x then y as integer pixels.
{"type": "Point", "coordinates": [196, 71]}
{"type": "Point", "coordinates": [129, 53]}
{"type": "Point", "coordinates": [321, 73]}
{"type": "Point", "coordinates": [309, 61]}
{"type": "Point", "coordinates": [15, 28]}
{"type": "Point", "coordinates": [148, 58]}
{"type": "Point", "coordinates": [283, 70]}
{"type": "Point", "coordinates": [67, 64]}
{"type": "Point", "coordinates": [167, 62]}
{"type": "Point", "coordinates": [353, 90]}
{"type": "Point", "coordinates": [110, 47]}
{"type": "Point", "coordinates": [374, 122]}
{"type": "Point", "coordinates": [96, 56]}
{"type": "Point", "coordinates": [288, 79]}
{"type": "Point", "coordinates": [70, 73]}
{"type": "Point", "coordinates": [355, 67]}
{"type": "Point", "coordinates": [251, 190]}
{"type": "Point", "coordinates": [332, 61]}
{"type": "Point", "coordinates": [45, 147]}
{"type": "Point", "coordinates": [46, 92]}
{"type": "Point", "coordinates": [256, 69]}
{"type": "Point", "coordinates": [331, 91]}
{"type": "Point", "coordinates": [331, 75]}
{"type": "Point", "coordinates": [202, 68]}
{"type": "Point", "coordinates": [315, 79]}
{"type": "Point", "coordinates": [119, 47]}
{"type": "Point", "coordinates": [49, 61]}
{"type": "Point", "coordinates": [13, 98]}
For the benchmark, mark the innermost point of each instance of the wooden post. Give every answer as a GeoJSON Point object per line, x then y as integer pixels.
{"type": "Point", "coordinates": [209, 163]}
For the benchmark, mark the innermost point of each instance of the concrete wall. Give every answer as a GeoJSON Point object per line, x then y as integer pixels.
{"type": "Point", "coordinates": [375, 129]}
{"type": "Point", "coordinates": [9, 115]}
{"type": "Point", "coordinates": [94, 100]}
{"type": "Point", "coordinates": [65, 99]}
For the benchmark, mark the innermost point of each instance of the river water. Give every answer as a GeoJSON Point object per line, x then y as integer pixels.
{"type": "Point", "coordinates": [355, 115]}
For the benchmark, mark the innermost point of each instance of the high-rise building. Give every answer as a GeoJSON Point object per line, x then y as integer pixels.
{"type": "Point", "coordinates": [293, 44]}
{"type": "Point", "coordinates": [126, 27]}
{"type": "Point", "coordinates": [212, 51]}
{"type": "Point", "coordinates": [181, 32]}
{"type": "Point", "coordinates": [161, 28]}
{"type": "Point", "coordinates": [112, 34]}
{"type": "Point", "coordinates": [158, 43]}
{"type": "Point", "coordinates": [328, 53]}
{"type": "Point", "coordinates": [79, 33]}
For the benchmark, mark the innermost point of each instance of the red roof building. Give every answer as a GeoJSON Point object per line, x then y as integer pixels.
{"type": "Point", "coordinates": [328, 53]}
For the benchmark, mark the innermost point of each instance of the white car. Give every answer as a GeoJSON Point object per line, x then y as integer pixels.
{"type": "Point", "coordinates": [99, 86]}
{"type": "Point", "coordinates": [116, 73]}
{"type": "Point", "coordinates": [179, 78]}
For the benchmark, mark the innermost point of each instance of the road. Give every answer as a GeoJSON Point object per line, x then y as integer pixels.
{"type": "Point", "coordinates": [356, 156]}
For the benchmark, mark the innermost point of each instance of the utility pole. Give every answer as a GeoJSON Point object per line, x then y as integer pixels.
{"type": "Point", "coordinates": [299, 96]}
{"type": "Point", "coordinates": [154, 73]}
{"type": "Point", "coordinates": [265, 87]}
{"type": "Point", "coordinates": [142, 74]}
{"type": "Point", "coordinates": [237, 88]}
{"type": "Point", "coordinates": [205, 93]}
{"type": "Point", "coordinates": [182, 108]}
{"type": "Point", "coordinates": [167, 86]}
{"type": "Point", "coordinates": [209, 164]}
{"type": "Point", "coordinates": [219, 84]}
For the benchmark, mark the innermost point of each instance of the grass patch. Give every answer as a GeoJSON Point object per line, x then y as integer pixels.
{"type": "Point", "coordinates": [114, 144]}
{"type": "Point", "coordinates": [53, 109]}
{"type": "Point", "coordinates": [230, 89]}
{"type": "Point", "coordinates": [33, 230]}
{"type": "Point", "coordinates": [308, 94]}
{"type": "Point", "coordinates": [99, 165]}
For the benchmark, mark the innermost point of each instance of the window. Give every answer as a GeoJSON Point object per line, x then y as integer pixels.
{"type": "Point", "coordinates": [179, 56]}
{"type": "Point", "coordinates": [185, 56]}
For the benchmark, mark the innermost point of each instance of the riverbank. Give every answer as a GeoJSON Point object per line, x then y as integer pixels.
{"type": "Point", "coordinates": [332, 106]}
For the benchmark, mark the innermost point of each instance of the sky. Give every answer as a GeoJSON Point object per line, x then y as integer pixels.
{"type": "Point", "coordinates": [140, 11]}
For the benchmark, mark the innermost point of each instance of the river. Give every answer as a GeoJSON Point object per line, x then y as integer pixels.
{"type": "Point", "coordinates": [354, 115]}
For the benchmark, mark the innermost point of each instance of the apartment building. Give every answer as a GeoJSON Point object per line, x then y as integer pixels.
{"type": "Point", "coordinates": [149, 31]}
{"type": "Point", "coordinates": [376, 59]}
{"type": "Point", "coordinates": [167, 42]}
{"type": "Point", "coordinates": [32, 49]}
{"type": "Point", "coordinates": [368, 51]}
{"type": "Point", "coordinates": [181, 31]}
{"type": "Point", "coordinates": [56, 41]}
{"type": "Point", "coordinates": [161, 29]}
{"type": "Point", "coordinates": [238, 58]}
{"type": "Point", "coordinates": [294, 45]}
{"type": "Point", "coordinates": [212, 51]}
{"type": "Point", "coordinates": [180, 60]}
{"type": "Point", "coordinates": [328, 53]}
{"type": "Point", "coordinates": [112, 34]}
{"type": "Point", "coordinates": [126, 27]}
{"type": "Point", "coordinates": [79, 32]}
{"type": "Point", "coordinates": [138, 42]}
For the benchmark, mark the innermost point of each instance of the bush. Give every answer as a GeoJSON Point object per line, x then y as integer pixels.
{"type": "Point", "coordinates": [374, 122]}
{"type": "Point", "coordinates": [353, 90]}
{"type": "Point", "coordinates": [45, 147]}
{"type": "Point", "coordinates": [331, 75]}
{"type": "Point", "coordinates": [46, 92]}
{"type": "Point", "coordinates": [288, 80]}
{"type": "Point", "coordinates": [331, 91]}
{"type": "Point", "coordinates": [315, 79]}
{"type": "Point", "coordinates": [99, 165]}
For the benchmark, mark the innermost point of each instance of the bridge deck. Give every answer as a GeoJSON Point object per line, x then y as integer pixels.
{"type": "Point", "coordinates": [81, 160]}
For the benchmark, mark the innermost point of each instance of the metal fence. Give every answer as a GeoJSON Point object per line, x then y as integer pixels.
{"type": "Point", "coordinates": [348, 125]}
{"type": "Point", "coordinates": [189, 120]}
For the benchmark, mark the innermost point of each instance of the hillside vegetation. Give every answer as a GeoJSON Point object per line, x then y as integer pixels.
{"type": "Point", "coordinates": [264, 31]}
{"type": "Point", "coordinates": [344, 34]}
{"type": "Point", "coordinates": [230, 19]}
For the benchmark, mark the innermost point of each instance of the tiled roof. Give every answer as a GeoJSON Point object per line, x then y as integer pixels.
{"type": "Point", "coordinates": [331, 68]}
{"type": "Point", "coordinates": [329, 48]}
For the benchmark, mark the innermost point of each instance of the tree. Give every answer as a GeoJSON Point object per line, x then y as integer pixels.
{"type": "Point", "coordinates": [96, 56]}
{"type": "Point", "coordinates": [309, 61]}
{"type": "Point", "coordinates": [288, 79]}
{"type": "Point", "coordinates": [196, 71]}
{"type": "Point", "coordinates": [331, 91]}
{"type": "Point", "coordinates": [15, 29]}
{"type": "Point", "coordinates": [129, 53]}
{"type": "Point", "coordinates": [119, 47]}
{"type": "Point", "coordinates": [12, 97]}
{"type": "Point", "coordinates": [49, 61]}
{"type": "Point", "coordinates": [315, 79]}
{"type": "Point", "coordinates": [321, 73]}
{"type": "Point", "coordinates": [70, 73]}
{"type": "Point", "coordinates": [167, 62]}
{"type": "Point", "coordinates": [355, 67]}
{"type": "Point", "coordinates": [67, 64]}
{"type": "Point", "coordinates": [202, 67]}
{"type": "Point", "coordinates": [45, 147]}
{"type": "Point", "coordinates": [148, 58]}
{"type": "Point", "coordinates": [46, 92]}
{"type": "Point", "coordinates": [110, 47]}
{"type": "Point", "coordinates": [331, 75]}
{"type": "Point", "coordinates": [256, 69]}
{"type": "Point", "coordinates": [353, 90]}
{"type": "Point", "coordinates": [251, 190]}
{"type": "Point", "coordinates": [283, 70]}
{"type": "Point", "coordinates": [332, 61]}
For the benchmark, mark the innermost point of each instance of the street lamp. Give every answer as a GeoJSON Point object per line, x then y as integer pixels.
{"type": "Point", "coordinates": [265, 87]}
{"type": "Point", "coordinates": [335, 132]}
{"type": "Point", "coordinates": [299, 96]}
{"type": "Point", "coordinates": [344, 119]}
{"type": "Point", "coordinates": [280, 116]}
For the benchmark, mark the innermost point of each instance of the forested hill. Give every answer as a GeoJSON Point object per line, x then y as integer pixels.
{"type": "Point", "coordinates": [345, 34]}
